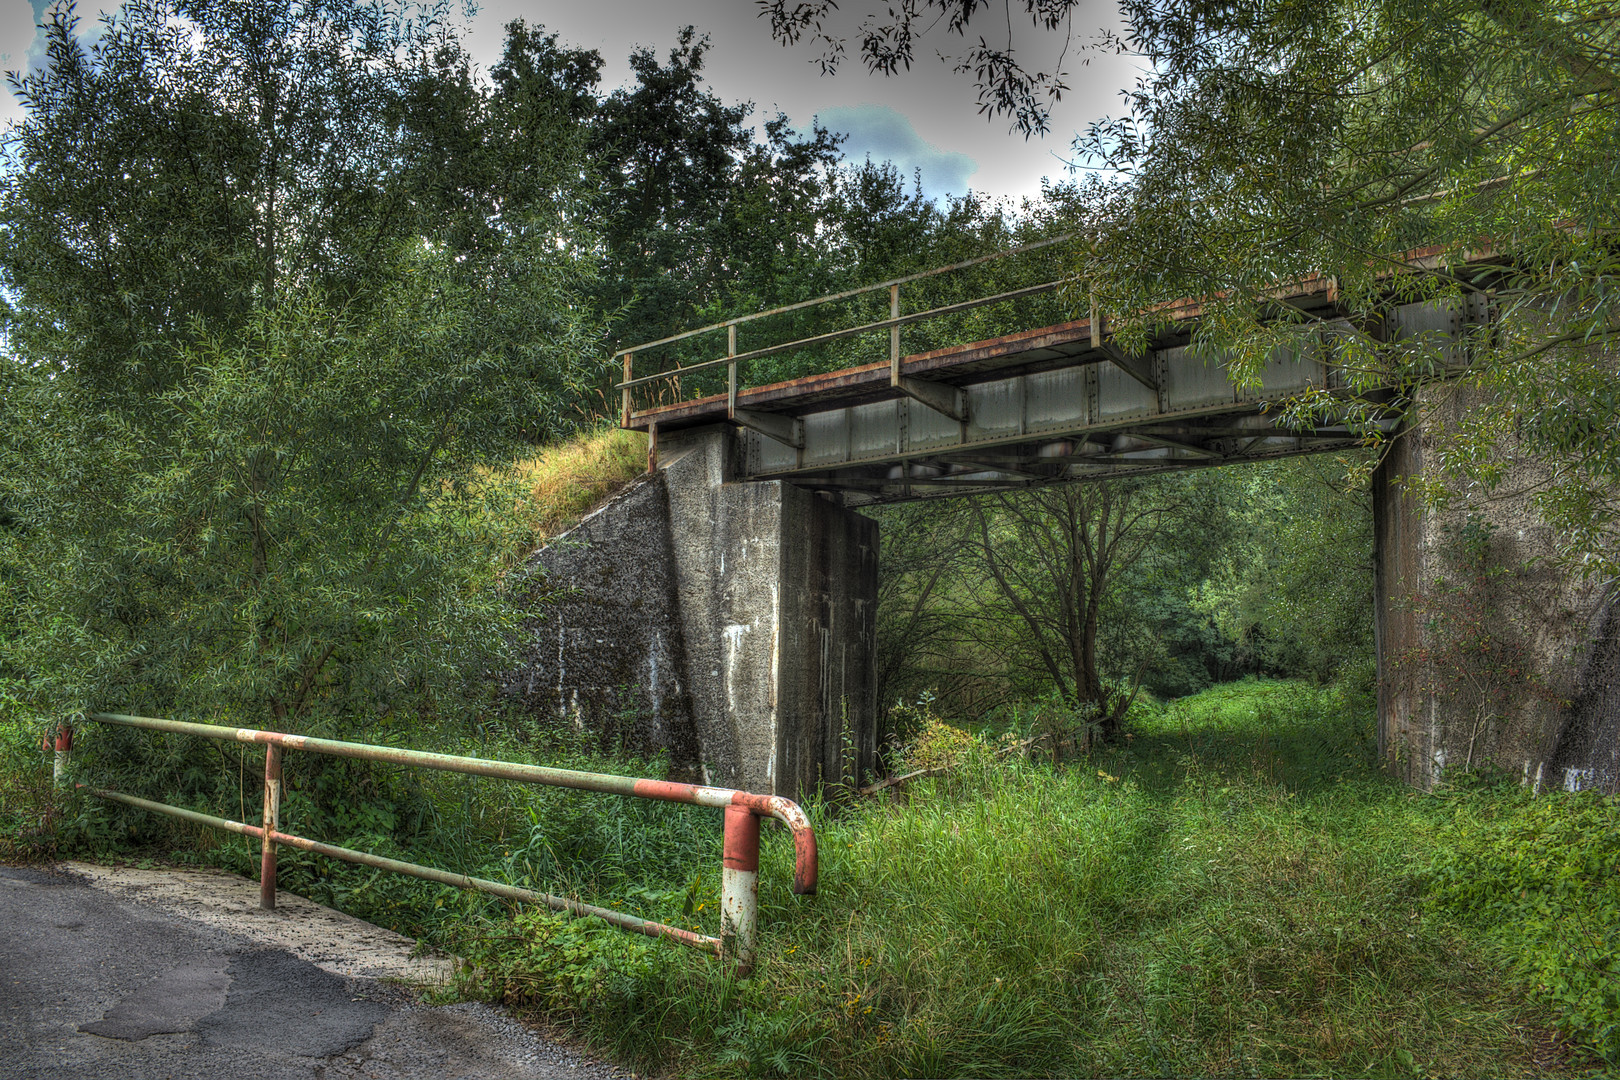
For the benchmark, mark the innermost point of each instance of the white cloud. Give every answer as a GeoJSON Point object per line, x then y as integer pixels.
{"type": "Point", "coordinates": [22, 44]}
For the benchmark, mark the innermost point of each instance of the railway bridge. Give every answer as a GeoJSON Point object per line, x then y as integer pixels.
{"type": "Point", "coordinates": [752, 577]}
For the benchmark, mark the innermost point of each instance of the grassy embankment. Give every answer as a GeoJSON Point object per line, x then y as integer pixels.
{"type": "Point", "coordinates": [1234, 890]}
{"type": "Point", "coordinates": [562, 483]}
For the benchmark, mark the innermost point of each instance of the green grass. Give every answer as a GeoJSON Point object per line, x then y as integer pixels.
{"type": "Point", "coordinates": [1234, 890]}
{"type": "Point", "coordinates": [562, 483]}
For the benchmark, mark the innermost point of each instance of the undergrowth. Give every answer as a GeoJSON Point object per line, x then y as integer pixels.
{"type": "Point", "coordinates": [1234, 890]}
{"type": "Point", "coordinates": [1231, 889]}
{"type": "Point", "coordinates": [1538, 879]}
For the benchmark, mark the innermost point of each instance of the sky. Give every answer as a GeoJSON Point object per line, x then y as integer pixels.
{"type": "Point", "coordinates": [924, 119]}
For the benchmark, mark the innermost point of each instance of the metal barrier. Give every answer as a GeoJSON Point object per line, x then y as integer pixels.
{"type": "Point", "coordinates": [739, 889]}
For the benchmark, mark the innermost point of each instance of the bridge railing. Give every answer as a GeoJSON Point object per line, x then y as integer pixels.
{"type": "Point", "coordinates": [739, 902]}
{"type": "Point", "coordinates": [732, 358]}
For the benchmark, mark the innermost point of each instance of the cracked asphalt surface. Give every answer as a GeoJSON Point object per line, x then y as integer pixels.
{"type": "Point", "coordinates": [95, 985]}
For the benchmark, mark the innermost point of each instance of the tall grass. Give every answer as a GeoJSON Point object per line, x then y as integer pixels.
{"type": "Point", "coordinates": [562, 483]}
{"type": "Point", "coordinates": [1231, 892]}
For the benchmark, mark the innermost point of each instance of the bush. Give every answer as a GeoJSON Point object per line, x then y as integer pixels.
{"type": "Point", "coordinates": [26, 804]}
{"type": "Point", "coordinates": [1539, 878]}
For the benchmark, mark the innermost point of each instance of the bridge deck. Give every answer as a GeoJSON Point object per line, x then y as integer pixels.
{"type": "Point", "coordinates": [1057, 403]}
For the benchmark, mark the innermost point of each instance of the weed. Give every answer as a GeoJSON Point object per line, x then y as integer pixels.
{"type": "Point", "coordinates": [1231, 889]}
{"type": "Point", "coordinates": [1539, 879]}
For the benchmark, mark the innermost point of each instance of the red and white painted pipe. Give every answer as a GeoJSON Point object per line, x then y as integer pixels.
{"type": "Point", "coordinates": [63, 744]}
{"type": "Point", "coordinates": [739, 888]}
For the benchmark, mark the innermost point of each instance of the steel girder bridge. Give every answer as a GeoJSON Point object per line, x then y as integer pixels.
{"type": "Point", "coordinates": [1057, 403]}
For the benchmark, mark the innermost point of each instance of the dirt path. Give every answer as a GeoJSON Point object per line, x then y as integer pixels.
{"type": "Point", "coordinates": [331, 940]}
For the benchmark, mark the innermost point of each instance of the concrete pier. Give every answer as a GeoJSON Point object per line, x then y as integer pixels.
{"type": "Point", "coordinates": [1489, 652]}
{"type": "Point", "coordinates": [729, 624]}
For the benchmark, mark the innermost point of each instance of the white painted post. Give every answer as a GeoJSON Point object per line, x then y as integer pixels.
{"type": "Point", "coordinates": [739, 890]}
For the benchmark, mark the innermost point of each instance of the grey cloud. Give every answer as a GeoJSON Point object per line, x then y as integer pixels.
{"type": "Point", "coordinates": [884, 134]}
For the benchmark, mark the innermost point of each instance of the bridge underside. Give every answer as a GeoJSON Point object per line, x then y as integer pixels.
{"type": "Point", "coordinates": [1057, 404]}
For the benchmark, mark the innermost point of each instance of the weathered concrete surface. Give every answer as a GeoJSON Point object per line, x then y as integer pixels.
{"type": "Point", "coordinates": [778, 596]}
{"type": "Point", "coordinates": [778, 592]}
{"type": "Point", "coordinates": [604, 653]}
{"type": "Point", "coordinates": [1488, 652]}
{"type": "Point", "coordinates": [731, 624]}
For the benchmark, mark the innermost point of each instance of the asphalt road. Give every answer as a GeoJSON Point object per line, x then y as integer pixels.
{"type": "Point", "coordinates": [95, 986]}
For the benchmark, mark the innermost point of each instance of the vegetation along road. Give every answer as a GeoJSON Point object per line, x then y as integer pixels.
{"type": "Point", "coordinates": [305, 327]}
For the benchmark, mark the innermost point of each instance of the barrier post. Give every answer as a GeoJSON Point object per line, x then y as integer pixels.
{"type": "Point", "coordinates": [739, 889]}
{"type": "Point", "coordinates": [272, 823]}
{"type": "Point", "coordinates": [64, 755]}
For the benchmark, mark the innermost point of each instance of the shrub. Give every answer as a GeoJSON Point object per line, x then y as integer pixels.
{"type": "Point", "coordinates": [1539, 878]}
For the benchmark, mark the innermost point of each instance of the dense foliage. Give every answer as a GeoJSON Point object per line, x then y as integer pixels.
{"type": "Point", "coordinates": [1276, 140]}
{"type": "Point", "coordinates": [269, 318]}
{"type": "Point", "coordinates": [1089, 592]}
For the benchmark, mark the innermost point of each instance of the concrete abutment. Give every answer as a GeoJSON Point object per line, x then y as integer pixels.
{"type": "Point", "coordinates": [1490, 653]}
{"type": "Point", "coordinates": [729, 624]}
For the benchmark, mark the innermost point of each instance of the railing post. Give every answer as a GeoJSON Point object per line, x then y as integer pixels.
{"type": "Point", "coordinates": [624, 412]}
{"type": "Point", "coordinates": [272, 823]}
{"type": "Point", "coordinates": [894, 336]}
{"type": "Point", "coordinates": [739, 890]}
{"type": "Point", "coordinates": [731, 372]}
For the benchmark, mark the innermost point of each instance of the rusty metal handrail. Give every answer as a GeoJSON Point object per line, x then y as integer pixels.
{"type": "Point", "coordinates": [847, 294]}
{"type": "Point", "coordinates": [739, 904]}
{"type": "Point", "coordinates": [628, 384]}
{"type": "Point", "coordinates": [849, 331]}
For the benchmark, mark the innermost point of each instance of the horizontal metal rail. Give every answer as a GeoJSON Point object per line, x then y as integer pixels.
{"type": "Point", "coordinates": [426, 873]}
{"type": "Point", "coordinates": [627, 386]}
{"type": "Point", "coordinates": [847, 294]}
{"type": "Point", "coordinates": [835, 335]}
{"type": "Point", "coordinates": [739, 877]}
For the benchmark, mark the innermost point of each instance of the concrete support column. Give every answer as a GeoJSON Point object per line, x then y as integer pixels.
{"type": "Point", "coordinates": [777, 592]}
{"type": "Point", "coordinates": [1489, 654]}
{"type": "Point", "coordinates": [728, 624]}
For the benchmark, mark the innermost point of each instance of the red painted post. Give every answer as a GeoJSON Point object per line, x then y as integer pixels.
{"type": "Point", "coordinates": [739, 889]}
{"type": "Point", "coordinates": [64, 754]}
{"type": "Point", "coordinates": [272, 823]}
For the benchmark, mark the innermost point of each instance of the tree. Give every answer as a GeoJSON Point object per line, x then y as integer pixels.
{"type": "Point", "coordinates": [888, 45]}
{"type": "Point", "coordinates": [1054, 558]}
{"type": "Point", "coordinates": [1292, 588]}
{"type": "Point", "coordinates": [705, 218]}
{"type": "Point", "coordinates": [285, 280]}
{"type": "Point", "coordinates": [1270, 140]}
